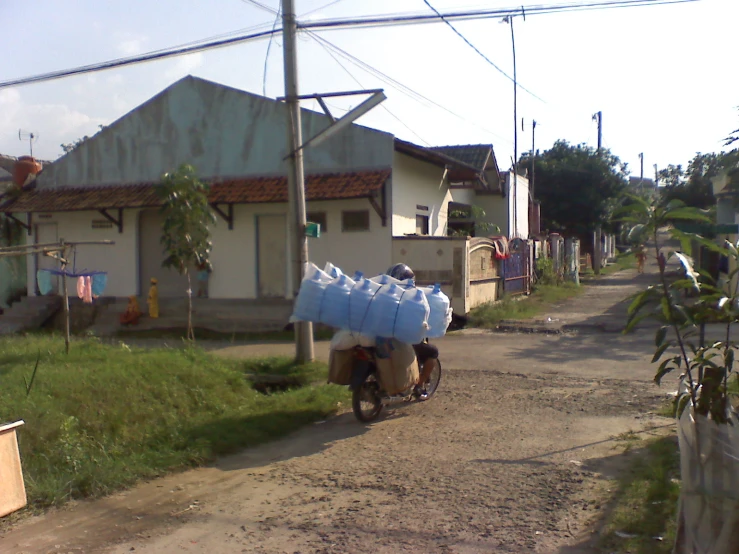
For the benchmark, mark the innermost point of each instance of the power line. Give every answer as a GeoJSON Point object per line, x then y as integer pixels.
{"type": "Point", "coordinates": [207, 44]}
{"type": "Point", "coordinates": [266, 56]}
{"type": "Point", "coordinates": [362, 86]}
{"type": "Point", "coordinates": [411, 93]}
{"type": "Point", "coordinates": [483, 56]}
{"type": "Point", "coordinates": [468, 15]}
{"type": "Point", "coordinates": [133, 60]}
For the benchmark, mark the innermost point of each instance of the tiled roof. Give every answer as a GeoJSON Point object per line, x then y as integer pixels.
{"type": "Point", "coordinates": [332, 186]}
{"type": "Point", "coordinates": [475, 155]}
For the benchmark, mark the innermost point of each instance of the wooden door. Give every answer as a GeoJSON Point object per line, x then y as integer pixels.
{"type": "Point", "coordinates": [272, 255]}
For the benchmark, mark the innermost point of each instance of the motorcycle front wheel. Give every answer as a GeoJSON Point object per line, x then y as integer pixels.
{"type": "Point", "coordinates": [366, 402]}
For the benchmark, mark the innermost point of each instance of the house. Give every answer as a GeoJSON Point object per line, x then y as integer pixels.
{"type": "Point", "coordinates": [483, 195]}
{"type": "Point", "coordinates": [364, 187]}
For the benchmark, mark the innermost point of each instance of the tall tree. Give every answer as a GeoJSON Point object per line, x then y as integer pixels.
{"type": "Point", "coordinates": [693, 186]}
{"type": "Point", "coordinates": [186, 231]}
{"type": "Point", "coordinates": [578, 186]}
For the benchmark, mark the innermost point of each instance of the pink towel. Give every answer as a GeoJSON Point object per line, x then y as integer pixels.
{"type": "Point", "coordinates": [88, 290]}
{"type": "Point", "coordinates": [81, 287]}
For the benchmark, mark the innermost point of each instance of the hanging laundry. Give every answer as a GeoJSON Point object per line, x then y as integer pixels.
{"type": "Point", "coordinates": [43, 278]}
{"type": "Point", "coordinates": [87, 296]}
{"type": "Point", "coordinates": [81, 288]}
{"type": "Point", "coordinates": [99, 281]}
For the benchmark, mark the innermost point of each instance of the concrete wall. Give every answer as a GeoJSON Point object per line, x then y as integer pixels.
{"type": "Point", "coordinates": [219, 130]}
{"type": "Point", "coordinates": [443, 260]}
{"type": "Point", "coordinates": [418, 183]}
{"type": "Point", "coordinates": [485, 280]}
{"type": "Point", "coordinates": [496, 211]}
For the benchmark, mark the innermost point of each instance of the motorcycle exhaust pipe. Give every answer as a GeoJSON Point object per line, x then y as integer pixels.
{"type": "Point", "coordinates": [389, 401]}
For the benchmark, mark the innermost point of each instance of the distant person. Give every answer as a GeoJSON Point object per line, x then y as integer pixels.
{"type": "Point", "coordinates": [641, 258]}
{"type": "Point", "coordinates": [203, 276]}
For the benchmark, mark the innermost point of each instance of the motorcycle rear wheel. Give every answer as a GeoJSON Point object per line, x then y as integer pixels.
{"type": "Point", "coordinates": [366, 401]}
{"type": "Point", "coordinates": [434, 380]}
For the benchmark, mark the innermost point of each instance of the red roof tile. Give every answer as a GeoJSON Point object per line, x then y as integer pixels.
{"type": "Point", "coordinates": [256, 190]}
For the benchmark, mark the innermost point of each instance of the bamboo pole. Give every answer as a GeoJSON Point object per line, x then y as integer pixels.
{"type": "Point", "coordinates": [65, 299]}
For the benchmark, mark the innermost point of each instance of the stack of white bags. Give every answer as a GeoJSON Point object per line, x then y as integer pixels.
{"type": "Point", "coordinates": [370, 308]}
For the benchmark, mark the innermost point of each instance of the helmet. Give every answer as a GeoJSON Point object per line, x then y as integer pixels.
{"type": "Point", "coordinates": [401, 272]}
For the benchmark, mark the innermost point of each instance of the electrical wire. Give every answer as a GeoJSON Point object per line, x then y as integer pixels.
{"type": "Point", "coordinates": [321, 8]}
{"type": "Point", "coordinates": [266, 56]}
{"type": "Point", "coordinates": [483, 56]}
{"type": "Point", "coordinates": [362, 87]}
{"type": "Point", "coordinates": [467, 15]}
{"type": "Point", "coordinates": [207, 44]}
{"type": "Point", "coordinates": [133, 60]}
{"type": "Point", "coordinates": [397, 85]}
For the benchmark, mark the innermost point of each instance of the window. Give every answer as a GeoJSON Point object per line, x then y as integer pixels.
{"type": "Point", "coordinates": [320, 218]}
{"type": "Point", "coordinates": [422, 225]}
{"type": "Point", "coordinates": [358, 220]}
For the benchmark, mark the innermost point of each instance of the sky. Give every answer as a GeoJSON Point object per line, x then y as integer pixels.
{"type": "Point", "coordinates": [663, 77]}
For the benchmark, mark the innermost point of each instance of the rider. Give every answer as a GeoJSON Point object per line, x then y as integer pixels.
{"type": "Point", "coordinates": [426, 353]}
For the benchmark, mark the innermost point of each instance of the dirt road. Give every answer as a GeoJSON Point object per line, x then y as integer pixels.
{"type": "Point", "coordinates": [509, 456]}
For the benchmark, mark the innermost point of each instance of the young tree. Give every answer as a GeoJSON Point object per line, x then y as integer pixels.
{"type": "Point", "coordinates": [578, 186]}
{"type": "Point", "coordinates": [186, 231]}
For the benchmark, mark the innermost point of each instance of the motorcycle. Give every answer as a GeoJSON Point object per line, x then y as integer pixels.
{"type": "Point", "coordinates": [368, 396]}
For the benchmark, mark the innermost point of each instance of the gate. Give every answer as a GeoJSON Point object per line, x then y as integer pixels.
{"type": "Point", "coordinates": [517, 268]}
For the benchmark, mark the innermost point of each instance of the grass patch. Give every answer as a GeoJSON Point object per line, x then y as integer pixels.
{"type": "Point", "coordinates": [105, 417]}
{"type": "Point", "coordinates": [645, 504]}
{"type": "Point", "coordinates": [207, 334]}
{"type": "Point", "coordinates": [544, 296]}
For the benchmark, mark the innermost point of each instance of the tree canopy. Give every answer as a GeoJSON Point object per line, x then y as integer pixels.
{"type": "Point", "coordinates": [692, 185]}
{"type": "Point", "coordinates": [578, 186]}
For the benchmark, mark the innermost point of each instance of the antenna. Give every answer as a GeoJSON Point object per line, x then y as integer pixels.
{"type": "Point", "coordinates": [30, 137]}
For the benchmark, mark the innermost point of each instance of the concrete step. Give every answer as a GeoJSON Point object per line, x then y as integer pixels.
{"type": "Point", "coordinates": [30, 313]}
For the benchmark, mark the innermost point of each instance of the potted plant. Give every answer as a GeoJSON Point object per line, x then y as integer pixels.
{"type": "Point", "coordinates": [707, 423]}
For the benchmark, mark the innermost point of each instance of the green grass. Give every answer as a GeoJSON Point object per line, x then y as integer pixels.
{"type": "Point", "coordinates": [544, 297]}
{"type": "Point", "coordinates": [645, 503]}
{"type": "Point", "coordinates": [105, 417]}
{"type": "Point", "coordinates": [207, 334]}
{"type": "Point", "coordinates": [623, 261]}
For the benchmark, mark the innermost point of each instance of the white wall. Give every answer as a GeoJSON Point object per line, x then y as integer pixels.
{"type": "Point", "coordinates": [119, 260]}
{"type": "Point", "coordinates": [520, 193]}
{"type": "Point", "coordinates": [234, 254]}
{"type": "Point", "coordinates": [418, 183]}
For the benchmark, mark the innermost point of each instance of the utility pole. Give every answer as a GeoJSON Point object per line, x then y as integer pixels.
{"type": "Point", "coordinates": [533, 157]}
{"type": "Point", "coordinates": [597, 250]}
{"type": "Point", "coordinates": [515, 132]}
{"type": "Point", "coordinates": [296, 176]}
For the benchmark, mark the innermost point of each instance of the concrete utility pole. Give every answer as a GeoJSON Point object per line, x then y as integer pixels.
{"type": "Point", "coordinates": [597, 250]}
{"type": "Point", "coordinates": [533, 157]}
{"type": "Point", "coordinates": [295, 177]}
{"type": "Point", "coordinates": [515, 133]}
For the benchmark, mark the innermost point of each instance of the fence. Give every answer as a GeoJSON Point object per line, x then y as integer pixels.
{"type": "Point", "coordinates": [517, 268]}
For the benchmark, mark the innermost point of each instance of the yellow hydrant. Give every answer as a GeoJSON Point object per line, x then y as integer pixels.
{"type": "Point", "coordinates": [153, 300]}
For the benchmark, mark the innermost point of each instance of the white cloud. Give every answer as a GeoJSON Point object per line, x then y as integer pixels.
{"type": "Point", "coordinates": [52, 123]}
{"type": "Point", "coordinates": [129, 44]}
{"type": "Point", "coordinates": [115, 79]}
{"type": "Point", "coordinates": [183, 66]}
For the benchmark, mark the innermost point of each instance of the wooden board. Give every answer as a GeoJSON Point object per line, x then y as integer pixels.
{"type": "Point", "coordinates": [12, 487]}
